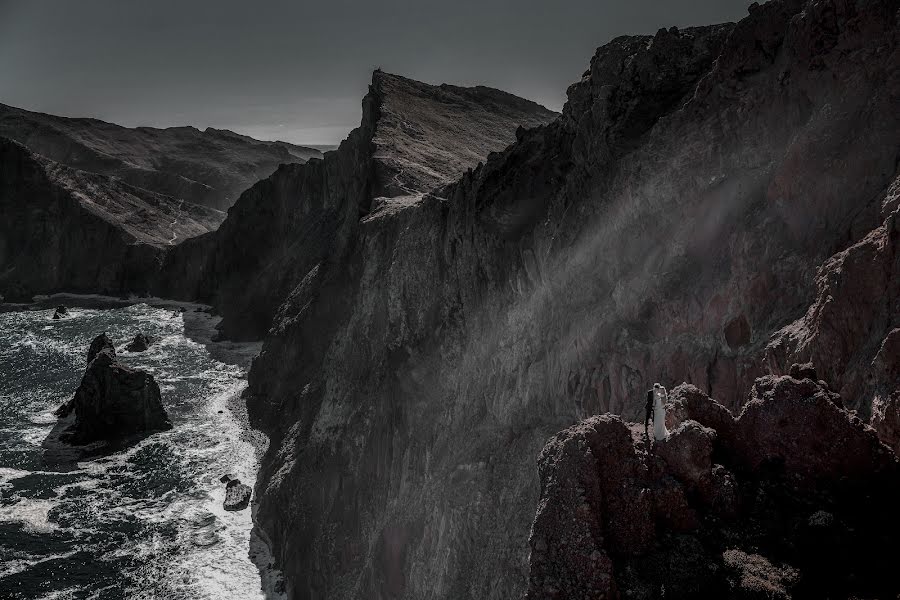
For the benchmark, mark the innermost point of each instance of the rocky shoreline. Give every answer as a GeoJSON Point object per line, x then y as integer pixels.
{"type": "Point", "coordinates": [468, 275]}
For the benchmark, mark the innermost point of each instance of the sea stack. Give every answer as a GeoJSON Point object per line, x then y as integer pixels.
{"type": "Point", "coordinates": [237, 494]}
{"type": "Point", "coordinates": [140, 343]}
{"type": "Point", "coordinates": [113, 401]}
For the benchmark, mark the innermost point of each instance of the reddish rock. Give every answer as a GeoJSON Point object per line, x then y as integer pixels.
{"type": "Point", "coordinates": [855, 308]}
{"type": "Point", "coordinates": [799, 426]}
{"type": "Point", "coordinates": [803, 480]}
{"type": "Point", "coordinates": [804, 371]}
{"type": "Point", "coordinates": [686, 402]}
{"type": "Point", "coordinates": [688, 452]}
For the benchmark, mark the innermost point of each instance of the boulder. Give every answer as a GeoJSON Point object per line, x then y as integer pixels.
{"type": "Point", "coordinates": [61, 312]}
{"type": "Point", "coordinates": [688, 453]}
{"type": "Point", "coordinates": [113, 401]}
{"type": "Point", "coordinates": [140, 343]}
{"type": "Point", "coordinates": [686, 401]}
{"type": "Point", "coordinates": [237, 495]}
{"type": "Point", "coordinates": [799, 427]}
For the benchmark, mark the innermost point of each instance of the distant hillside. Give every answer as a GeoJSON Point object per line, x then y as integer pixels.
{"type": "Point", "coordinates": [69, 230]}
{"type": "Point", "coordinates": [210, 167]}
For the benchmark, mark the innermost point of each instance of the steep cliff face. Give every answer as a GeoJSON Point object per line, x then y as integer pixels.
{"type": "Point", "coordinates": [68, 230]}
{"type": "Point", "coordinates": [210, 167]}
{"type": "Point", "coordinates": [662, 229]}
{"type": "Point", "coordinates": [412, 137]}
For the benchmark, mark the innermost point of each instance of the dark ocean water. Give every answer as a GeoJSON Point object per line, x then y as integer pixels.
{"type": "Point", "coordinates": [143, 522]}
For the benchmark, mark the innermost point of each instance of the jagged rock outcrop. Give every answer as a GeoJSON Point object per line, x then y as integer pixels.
{"type": "Point", "coordinates": [61, 312]}
{"type": "Point", "coordinates": [210, 167]}
{"type": "Point", "coordinates": [140, 343]}
{"type": "Point", "coordinates": [413, 137]}
{"type": "Point", "coordinates": [113, 401]}
{"type": "Point", "coordinates": [849, 329]}
{"type": "Point", "coordinates": [661, 229]}
{"type": "Point", "coordinates": [237, 495]}
{"type": "Point", "coordinates": [73, 231]}
{"type": "Point", "coordinates": [615, 520]}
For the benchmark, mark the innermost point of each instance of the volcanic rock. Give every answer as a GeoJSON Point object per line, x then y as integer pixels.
{"type": "Point", "coordinates": [61, 312]}
{"type": "Point", "coordinates": [660, 230]}
{"type": "Point", "coordinates": [113, 401]}
{"type": "Point", "coordinates": [413, 137]}
{"type": "Point", "coordinates": [140, 343]}
{"type": "Point", "coordinates": [807, 540]}
{"type": "Point", "coordinates": [209, 168]}
{"type": "Point", "coordinates": [687, 452]}
{"type": "Point", "coordinates": [70, 230]}
{"type": "Point", "coordinates": [237, 495]}
{"type": "Point", "coordinates": [98, 345]}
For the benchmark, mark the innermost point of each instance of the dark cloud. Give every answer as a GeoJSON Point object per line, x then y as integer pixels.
{"type": "Point", "coordinates": [297, 70]}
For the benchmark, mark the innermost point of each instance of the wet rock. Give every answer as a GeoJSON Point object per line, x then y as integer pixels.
{"type": "Point", "coordinates": [113, 401]}
{"type": "Point", "coordinates": [63, 241]}
{"type": "Point", "coordinates": [99, 344]}
{"type": "Point", "coordinates": [61, 312]}
{"type": "Point", "coordinates": [237, 495]}
{"type": "Point", "coordinates": [140, 343]}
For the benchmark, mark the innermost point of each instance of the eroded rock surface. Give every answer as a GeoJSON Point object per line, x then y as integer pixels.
{"type": "Point", "coordinates": [661, 229]}
{"type": "Point", "coordinates": [140, 343]}
{"type": "Point", "coordinates": [412, 138]}
{"type": "Point", "coordinates": [74, 231]}
{"type": "Point", "coordinates": [113, 401]}
{"type": "Point", "coordinates": [237, 495]}
{"type": "Point", "coordinates": [616, 521]}
{"type": "Point", "coordinates": [210, 167]}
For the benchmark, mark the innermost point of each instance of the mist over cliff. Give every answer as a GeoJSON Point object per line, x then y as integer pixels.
{"type": "Point", "coordinates": [424, 343]}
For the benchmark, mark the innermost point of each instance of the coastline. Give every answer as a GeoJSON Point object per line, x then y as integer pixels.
{"type": "Point", "coordinates": [226, 411]}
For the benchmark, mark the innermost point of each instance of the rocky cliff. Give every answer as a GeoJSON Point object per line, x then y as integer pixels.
{"type": "Point", "coordinates": [794, 498]}
{"type": "Point", "coordinates": [412, 138]}
{"type": "Point", "coordinates": [663, 228]}
{"type": "Point", "coordinates": [210, 167]}
{"type": "Point", "coordinates": [69, 230]}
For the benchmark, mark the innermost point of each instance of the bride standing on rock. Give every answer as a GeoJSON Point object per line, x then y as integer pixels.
{"type": "Point", "coordinates": [656, 410]}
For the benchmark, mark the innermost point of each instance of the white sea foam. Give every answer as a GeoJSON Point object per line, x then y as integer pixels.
{"type": "Point", "coordinates": [34, 515]}
{"type": "Point", "coordinates": [169, 478]}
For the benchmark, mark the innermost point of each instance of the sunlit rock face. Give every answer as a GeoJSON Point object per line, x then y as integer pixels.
{"type": "Point", "coordinates": [412, 137]}
{"type": "Point", "coordinates": [424, 344]}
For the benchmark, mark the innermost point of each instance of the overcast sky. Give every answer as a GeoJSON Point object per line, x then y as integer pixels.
{"type": "Point", "coordinates": [297, 70]}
